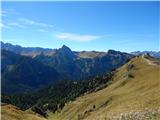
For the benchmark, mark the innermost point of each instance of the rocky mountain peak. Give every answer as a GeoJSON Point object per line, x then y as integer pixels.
{"type": "Point", "coordinates": [65, 51]}
{"type": "Point", "coordinates": [65, 47]}
{"type": "Point", "coordinates": [113, 52]}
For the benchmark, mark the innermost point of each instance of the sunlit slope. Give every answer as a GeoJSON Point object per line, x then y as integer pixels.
{"type": "Point", "coordinates": [10, 112]}
{"type": "Point", "coordinates": [135, 91]}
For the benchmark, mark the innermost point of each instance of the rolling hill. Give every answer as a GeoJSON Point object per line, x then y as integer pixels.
{"type": "Point", "coordinates": [133, 95]}
{"type": "Point", "coordinates": [10, 112]}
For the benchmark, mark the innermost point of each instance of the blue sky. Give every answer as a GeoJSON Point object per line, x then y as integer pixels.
{"type": "Point", "coordinates": [123, 26]}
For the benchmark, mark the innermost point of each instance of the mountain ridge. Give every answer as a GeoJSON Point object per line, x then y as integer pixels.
{"type": "Point", "coordinates": [76, 65]}
{"type": "Point", "coordinates": [151, 53]}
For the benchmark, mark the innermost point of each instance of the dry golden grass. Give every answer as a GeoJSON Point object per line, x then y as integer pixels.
{"type": "Point", "coordinates": [10, 112]}
{"type": "Point", "coordinates": [135, 89]}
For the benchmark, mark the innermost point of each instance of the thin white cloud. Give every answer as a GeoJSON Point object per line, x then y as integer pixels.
{"type": "Point", "coordinates": [3, 13]}
{"type": "Point", "coordinates": [22, 23]}
{"type": "Point", "coordinates": [42, 30]}
{"type": "Point", "coordinates": [32, 22]}
{"type": "Point", "coordinates": [2, 25]}
{"type": "Point", "coordinates": [8, 12]}
{"type": "Point", "coordinates": [27, 23]}
{"type": "Point", "coordinates": [77, 37]}
{"type": "Point", "coordinates": [14, 24]}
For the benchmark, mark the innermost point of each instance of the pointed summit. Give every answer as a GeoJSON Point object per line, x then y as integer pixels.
{"type": "Point", "coordinates": [65, 51]}
{"type": "Point", "coordinates": [64, 47]}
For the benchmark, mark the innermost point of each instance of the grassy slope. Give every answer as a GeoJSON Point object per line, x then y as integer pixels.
{"type": "Point", "coordinates": [124, 95]}
{"type": "Point", "coordinates": [91, 54]}
{"type": "Point", "coordinates": [10, 112]}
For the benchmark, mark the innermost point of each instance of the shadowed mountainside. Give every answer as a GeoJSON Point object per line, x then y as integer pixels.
{"type": "Point", "coordinates": [73, 65]}
{"type": "Point", "coordinates": [22, 74]}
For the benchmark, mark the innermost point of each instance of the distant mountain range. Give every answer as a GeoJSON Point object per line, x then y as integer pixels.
{"type": "Point", "coordinates": [38, 67]}
{"type": "Point", "coordinates": [151, 53]}
{"type": "Point", "coordinates": [26, 51]}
